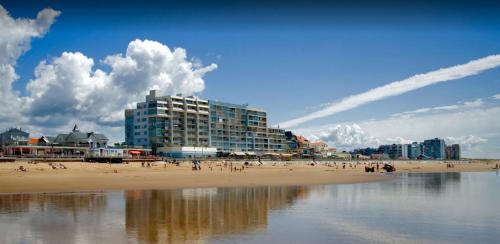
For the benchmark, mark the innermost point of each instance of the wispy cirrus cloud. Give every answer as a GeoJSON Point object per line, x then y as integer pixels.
{"type": "Point", "coordinates": [399, 87]}
{"type": "Point", "coordinates": [448, 108]}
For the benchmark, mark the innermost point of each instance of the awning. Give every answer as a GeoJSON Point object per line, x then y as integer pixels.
{"type": "Point", "coordinates": [134, 152]}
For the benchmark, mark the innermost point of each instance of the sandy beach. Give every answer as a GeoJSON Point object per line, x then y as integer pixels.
{"type": "Point", "coordinates": [78, 176]}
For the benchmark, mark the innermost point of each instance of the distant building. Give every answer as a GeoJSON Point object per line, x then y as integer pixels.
{"type": "Point", "coordinates": [434, 149]}
{"type": "Point", "coordinates": [394, 151]}
{"type": "Point", "coordinates": [303, 146]}
{"type": "Point", "coordinates": [14, 136]}
{"type": "Point", "coordinates": [414, 150]}
{"type": "Point", "coordinates": [453, 152]}
{"type": "Point", "coordinates": [292, 143]}
{"type": "Point", "coordinates": [366, 151]}
{"type": "Point", "coordinates": [320, 149]}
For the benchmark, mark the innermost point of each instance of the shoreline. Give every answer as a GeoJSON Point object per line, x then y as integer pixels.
{"type": "Point", "coordinates": [80, 177]}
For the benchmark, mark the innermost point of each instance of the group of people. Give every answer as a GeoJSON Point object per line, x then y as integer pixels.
{"type": "Point", "coordinates": [57, 166]}
{"type": "Point", "coordinates": [22, 169]}
{"type": "Point", "coordinates": [146, 164]}
{"type": "Point", "coordinates": [387, 167]}
{"type": "Point", "coordinates": [450, 165]}
{"type": "Point", "coordinates": [196, 165]}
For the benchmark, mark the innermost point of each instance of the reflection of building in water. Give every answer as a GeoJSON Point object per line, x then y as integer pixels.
{"type": "Point", "coordinates": [75, 203]}
{"type": "Point", "coordinates": [195, 214]}
{"type": "Point", "coordinates": [428, 182]}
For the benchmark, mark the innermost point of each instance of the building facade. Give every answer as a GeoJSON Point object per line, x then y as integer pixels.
{"type": "Point", "coordinates": [168, 124]}
{"type": "Point", "coordinates": [453, 152]}
{"type": "Point", "coordinates": [414, 150]}
{"type": "Point", "coordinates": [434, 149]}
{"type": "Point", "coordinates": [394, 151]}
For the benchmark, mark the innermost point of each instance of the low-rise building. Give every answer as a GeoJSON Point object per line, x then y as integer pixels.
{"type": "Point", "coordinates": [303, 146]}
{"type": "Point", "coordinates": [320, 149]}
{"type": "Point", "coordinates": [14, 136]}
{"type": "Point", "coordinates": [81, 139]}
{"type": "Point", "coordinates": [73, 144]}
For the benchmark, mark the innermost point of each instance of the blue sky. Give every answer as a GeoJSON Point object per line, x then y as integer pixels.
{"type": "Point", "coordinates": [289, 58]}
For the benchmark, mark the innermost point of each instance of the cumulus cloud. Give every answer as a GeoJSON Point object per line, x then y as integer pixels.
{"type": "Point", "coordinates": [70, 89]}
{"type": "Point", "coordinates": [399, 87]}
{"type": "Point", "coordinates": [15, 39]}
{"type": "Point", "coordinates": [345, 136]}
{"type": "Point", "coordinates": [472, 128]}
{"type": "Point", "coordinates": [497, 96]}
{"type": "Point", "coordinates": [68, 85]}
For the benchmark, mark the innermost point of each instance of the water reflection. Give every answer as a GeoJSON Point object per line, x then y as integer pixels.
{"type": "Point", "coordinates": [66, 202]}
{"type": "Point", "coordinates": [195, 214]}
{"type": "Point", "coordinates": [411, 208]}
{"type": "Point", "coordinates": [51, 218]}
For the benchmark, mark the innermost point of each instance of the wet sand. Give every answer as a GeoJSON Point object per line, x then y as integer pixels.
{"type": "Point", "coordinates": [93, 177]}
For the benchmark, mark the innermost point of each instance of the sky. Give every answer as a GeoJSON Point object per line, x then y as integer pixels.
{"type": "Point", "coordinates": [323, 69]}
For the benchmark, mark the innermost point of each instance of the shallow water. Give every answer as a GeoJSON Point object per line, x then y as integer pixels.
{"type": "Point", "coordinates": [412, 208]}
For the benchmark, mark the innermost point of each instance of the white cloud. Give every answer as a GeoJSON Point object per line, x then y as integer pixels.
{"type": "Point", "coordinates": [16, 34]}
{"type": "Point", "coordinates": [479, 122]}
{"type": "Point", "coordinates": [399, 87]}
{"type": "Point", "coordinates": [471, 128]}
{"type": "Point", "coordinates": [497, 96]}
{"type": "Point", "coordinates": [345, 136]}
{"type": "Point", "coordinates": [15, 39]}
{"type": "Point", "coordinates": [467, 143]}
{"type": "Point", "coordinates": [68, 86]}
{"type": "Point", "coordinates": [397, 140]}
{"type": "Point", "coordinates": [461, 106]}
{"type": "Point", "coordinates": [69, 89]}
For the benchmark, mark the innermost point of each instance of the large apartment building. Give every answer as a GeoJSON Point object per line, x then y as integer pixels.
{"type": "Point", "coordinates": [434, 149]}
{"type": "Point", "coordinates": [174, 123]}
